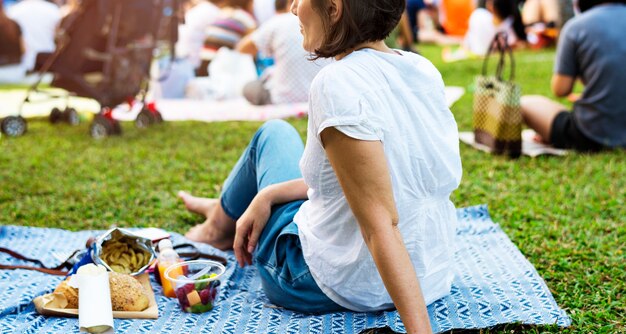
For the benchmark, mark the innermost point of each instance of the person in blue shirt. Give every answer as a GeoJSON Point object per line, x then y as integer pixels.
{"type": "Point", "coordinates": [591, 48]}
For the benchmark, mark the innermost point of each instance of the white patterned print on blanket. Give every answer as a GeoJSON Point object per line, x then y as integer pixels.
{"type": "Point", "coordinates": [494, 284]}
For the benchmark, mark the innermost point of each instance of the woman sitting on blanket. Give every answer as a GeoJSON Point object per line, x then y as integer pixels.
{"type": "Point", "coordinates": [360, 217]}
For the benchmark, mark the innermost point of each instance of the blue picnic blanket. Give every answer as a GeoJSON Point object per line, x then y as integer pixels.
{"type": "Point", "coordinates": [494, 285]}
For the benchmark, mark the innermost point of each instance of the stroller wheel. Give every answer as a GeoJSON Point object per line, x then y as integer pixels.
{"type": "Point", "coordinates": [13, 126]}
{"type": "Point", "coordinates": [55, 115]}
{"type": "Point", "coordinates": [71, 116]}
{"type": "Point", "coordinates": [144, 119]}
{"type": "Point", "coordinates": [100, 127]}
{"type": "Point", "coordinates": [115, 127]}
{"type": "Point", "coordinates": [158, 118]}
{"type": "Point", "coordinates": [103, 126]}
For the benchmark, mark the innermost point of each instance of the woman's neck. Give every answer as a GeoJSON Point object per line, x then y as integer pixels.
{"type": "Point", "coordinates": [377, 45]}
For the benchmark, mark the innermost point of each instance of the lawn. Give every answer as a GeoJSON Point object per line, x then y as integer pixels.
{"type": "Point", "coordinates": [566, 214]}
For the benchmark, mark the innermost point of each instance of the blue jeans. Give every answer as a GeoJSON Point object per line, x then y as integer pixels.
{"type": "Point", "coordinates": [272, 157]}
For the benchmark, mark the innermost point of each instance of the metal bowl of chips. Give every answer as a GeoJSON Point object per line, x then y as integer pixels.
{"type": "Point", "coordinates": [122, 251]}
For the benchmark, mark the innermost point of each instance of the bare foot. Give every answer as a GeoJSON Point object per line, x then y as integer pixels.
{"type": "Point", "coordinates": [200, 205]}
{"type": "Point", "coordinates": [207, 234]}
{"type": "Point", "coordinates": [537, 138]}
{"type": "Point", "coordinates": [218, 230]}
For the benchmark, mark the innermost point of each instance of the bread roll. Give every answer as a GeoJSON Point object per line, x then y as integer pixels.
{"type": "Point", "coordinates": [127, 294]}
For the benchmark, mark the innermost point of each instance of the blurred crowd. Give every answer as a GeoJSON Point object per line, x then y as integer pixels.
{"type": "Point", "coordinates": [211, 24]}
{"type": "Point", "coordinates": [263, 29]}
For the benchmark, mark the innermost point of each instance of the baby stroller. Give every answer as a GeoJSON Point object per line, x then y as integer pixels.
{"type": "Point", "coordinates": [104, 51]}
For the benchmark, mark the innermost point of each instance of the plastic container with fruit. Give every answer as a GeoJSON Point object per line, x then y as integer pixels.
{"type": "Point", "coordinates": [196, 285]}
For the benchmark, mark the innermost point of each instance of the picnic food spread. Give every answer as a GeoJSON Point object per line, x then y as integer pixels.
{"type": "Point", "coordinates": [167, 258]}
{"type": "Point", "coordinates": [195, 284]}
{"type": "Point", "coordinates": [109, 280]}
{"type": "Point", "coordinates": [127, 294]}
{"type": "Point", "coordinates": [122, 251]}
{"type": "Point", "coordinates": [198, 297]}
{"type": "Point", "coordinates": [123, 256]}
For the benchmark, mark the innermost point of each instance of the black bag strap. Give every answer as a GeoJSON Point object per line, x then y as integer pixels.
{"type": "Point", "coordinates": [194, 253]}
{"type": "Point", "coordinates": [500, 45]}
{"type": "Point", "coordinates": [60, 270]}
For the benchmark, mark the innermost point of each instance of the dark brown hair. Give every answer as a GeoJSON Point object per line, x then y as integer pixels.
{"type": "Point", "coordinates": [280, 5]}
{"type": "Point", "coordinates": [361, 21]}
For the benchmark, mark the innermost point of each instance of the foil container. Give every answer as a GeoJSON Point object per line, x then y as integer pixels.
{"type": "Point", "coordinates": [137, 243]}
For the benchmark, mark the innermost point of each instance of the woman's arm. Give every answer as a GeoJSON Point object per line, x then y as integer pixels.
{"type": "Point", "coordinates": [362, 171]}
{"type": "Point", "coordinates": [251, 223]}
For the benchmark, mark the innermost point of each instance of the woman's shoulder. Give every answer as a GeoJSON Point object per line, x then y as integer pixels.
{"type": "Point", "coordinates": [366, 71]}
{"type": "Point", "coordinates": [358, 64]}
{"type": "Point", "coordinates": [334, 73]}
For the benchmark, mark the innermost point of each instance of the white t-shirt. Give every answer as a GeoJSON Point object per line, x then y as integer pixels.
{"type": "Point", "coordinates": [263, 10]}
{"type": "Point", "coordinates": [507, 27]}
{"type": "Point", "coordinates": [482, 30]}
{"type": "Point", "coordinates": [280, 38]}
{"type": "Point", "coordinates": [397, 99]}
{"type": "Point", "coordinates": [193, 32]}
{"type": "Point", "coordinates": [38, 20]}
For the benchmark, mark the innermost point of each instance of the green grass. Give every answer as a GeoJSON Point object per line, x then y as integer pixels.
{"type": "Point", "coordinates": [566, 214]}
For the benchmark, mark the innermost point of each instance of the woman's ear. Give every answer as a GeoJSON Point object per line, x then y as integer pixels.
{"type": "Point", "coordinates": [335, 9]}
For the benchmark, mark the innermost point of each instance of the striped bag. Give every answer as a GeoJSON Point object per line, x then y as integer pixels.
{"type": "Point", "coordinates": [497, 113]}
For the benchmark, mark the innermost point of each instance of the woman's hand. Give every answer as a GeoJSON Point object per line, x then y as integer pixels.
{"type": "Point", "coordinates": [249, 228]}
{"type": "Point", "coordinates": [253, 221]}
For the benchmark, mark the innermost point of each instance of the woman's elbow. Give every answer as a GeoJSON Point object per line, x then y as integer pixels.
{"type": "Point", "coordinates": [378, 231]}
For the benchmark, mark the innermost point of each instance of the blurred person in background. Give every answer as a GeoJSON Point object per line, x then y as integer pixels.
{"type": "Point", "coordinates": [591, 48]}
{"type": "Point", "coordinates": [38, 20]}
{"type": "Point", "coordinates": [69, 6]}
{"type": "Point", "coordinates": [290, 78]}
{"type": "Point", "coordinates": [11, 44]}
{"type": "Point", "coordinates": [413, 7]}
{"type": "Point", "coordinates": [430, 29]}
{"type": "Point", "coordinates": [234, 21]}
{"type": "Point", "coordinates": [542, 20]}
{"type": "Point", "coordinates": [497, 16]}
{"type": "Point", "coordinates": [192, 33]}
{"type": "Point", "coordinates": [199, 14]}
{"type": "Point", "coordinates": [454, 16]}
{"type": "Point", "coordinates": [263, 10]}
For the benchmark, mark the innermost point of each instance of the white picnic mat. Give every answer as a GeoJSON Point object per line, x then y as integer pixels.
{"type": "Point", "coordinates": [530, 147]}
{"type": "Point", "coordinates": [171, 109]}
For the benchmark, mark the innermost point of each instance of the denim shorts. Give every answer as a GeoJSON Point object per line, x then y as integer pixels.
{"type": "Point", "coordinates": [286, 278]}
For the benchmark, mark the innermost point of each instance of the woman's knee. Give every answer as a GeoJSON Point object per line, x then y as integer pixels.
{"type": "Point", "coordinates": [275, 132]}
{"type": "Point", "coordinates": [276, 126]}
